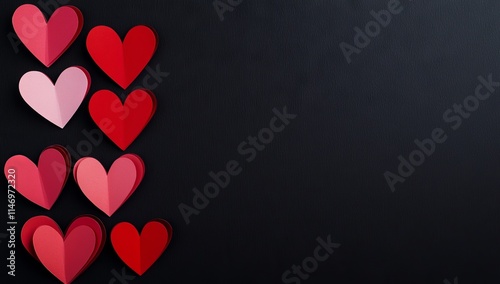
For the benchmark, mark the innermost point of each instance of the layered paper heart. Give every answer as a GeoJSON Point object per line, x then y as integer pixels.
{"type": "Point", "coordinates": [109, 191]}
{"type": "Point", "coordinates": [65, 256]}
{"type": "Point", "coordinates": [122, 123]}
{"type": "Point", "coordinates": [47, 41]}
{"type": "Point", "coordinates": [141, 251]}
{"type": "Point", "coordinates": [55, 102]}
{"type": "Point", "coordinates": [41, 184]}
{"type": "Point", "coordinates": [122, 61]}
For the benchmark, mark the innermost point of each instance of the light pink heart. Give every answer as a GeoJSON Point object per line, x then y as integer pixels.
{"type": "Point", "coordinates": [107, 191]}
{"type": "Point", "coordinates": [64, 257]}
{"type": "Point", "coordinates": [47, 41]}
{"type": "Point", "coordinates": [56, 103]}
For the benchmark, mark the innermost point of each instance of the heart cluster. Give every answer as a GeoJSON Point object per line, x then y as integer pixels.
{"type": "Point", "coordinates": [122, 61]}
{"type": "Point", "coordinates": [67, 255]}
{"type": "Point", "coordinates": [79, 247]}
{"type": "Point", "coordinates": [43, 184]}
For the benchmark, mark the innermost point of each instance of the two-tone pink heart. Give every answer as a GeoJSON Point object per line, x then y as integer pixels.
{"type": "Point", "coordinates": [47, 40]}
{"type": "Point", "coordinates": [40, 184]}
{"type": "Point", "coordinates": [65, 256]}
{"type": "Point", "coordinates": [108, 191]}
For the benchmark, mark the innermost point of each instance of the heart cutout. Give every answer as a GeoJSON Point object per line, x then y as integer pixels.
{"type": "Point", "coordinates": [29, 229]}
{"type": "Point", "coordinates": [41, 184]}
{"type": "Point", "coordinates": [65, 257]}
{"type": "Point", "coordinates": [47, 41]}
{"type": "Point", "coordinates": [122, 123]}
{"type": "Point", "coordinates": [122, 61]}
{"type": "Point", "coordinates": [140, 252]}
{"type": "Point", "coordinates": [55, 102]}
{"type": "Point", "coordinates": [109, 191]}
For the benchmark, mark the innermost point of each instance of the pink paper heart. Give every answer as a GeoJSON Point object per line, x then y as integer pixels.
{"type": "Point", "coordinates": [29, 229]}
{"type": "Point", "coordinates": [108, 191]}
{"type": "Point", "coordinates": [97, 226]}
{"type": "Point", "coordinates": [56, 103]}
{"type": "Point", "coordinates": [64, 257]}
{"type": "Point", "coordinates": [41, 185]}
{"type": "Point", "coordinates": [47, 41]}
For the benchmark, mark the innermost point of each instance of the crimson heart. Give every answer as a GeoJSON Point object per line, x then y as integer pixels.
{"type": "Point", "coordinates": [122, 62]}
{"type": "Point", "coordinates": [122, 123]}
{"type": "Point", "coordinates": [140, 252]}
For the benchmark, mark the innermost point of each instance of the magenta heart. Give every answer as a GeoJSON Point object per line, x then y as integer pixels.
{"type": "Point", "coordinates": [47, 40]}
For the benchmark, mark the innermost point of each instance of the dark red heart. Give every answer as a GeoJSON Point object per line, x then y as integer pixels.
{"type": "Point", "coordinates": [122, 123]}
{"type": "Point", "coordinates": [122, 61]}
{"type": "Point", "coordinates": [140, 252]}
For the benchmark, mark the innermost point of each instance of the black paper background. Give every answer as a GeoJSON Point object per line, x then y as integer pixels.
{"type": "Point", "coordinates": [323, 175]}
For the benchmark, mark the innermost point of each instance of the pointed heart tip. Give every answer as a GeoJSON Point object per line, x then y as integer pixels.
{"type": "Point", "coordinates": [140, 273]}
{"type": "Point", "coordinates": [46, 207]}
{"type": "Point", "coordinates": [123, 148]}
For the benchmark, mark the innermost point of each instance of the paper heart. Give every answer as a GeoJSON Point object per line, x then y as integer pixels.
{"type": "Point", "coordinates": [122, 123]}
{"type": "Point", "coordinates": [100, 231]}
{"type": "Point", "coordinates": [109, 191]}
{"type": "Point", "coordinates": [34, 223]}
{"type": "Point", "coordinates": [56, 103]}
{"type": "Point", "coordinates": [140, 252]}
{"type": "Point", "coordinates": [66, 258]}
{"type": "Point", "coordinates": [41, 185]}
{"type": "Point", "coordinates": [29, 229]}
{"type": "Point", "coordinates": [47, 41]}
{"type": "Point", "coordinates": [122, 62]}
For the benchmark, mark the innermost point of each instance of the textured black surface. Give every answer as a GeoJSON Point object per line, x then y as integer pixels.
{"type": "Point", "coordinates": [324, 174]}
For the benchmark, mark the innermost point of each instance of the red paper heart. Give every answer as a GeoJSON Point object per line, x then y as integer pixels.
{"type": "Point", "coordinates": [122, 62]}
{"type": "Point", "coordinates": [140, 252]}
{"type": "Point", "coordinates": [122, 123]}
